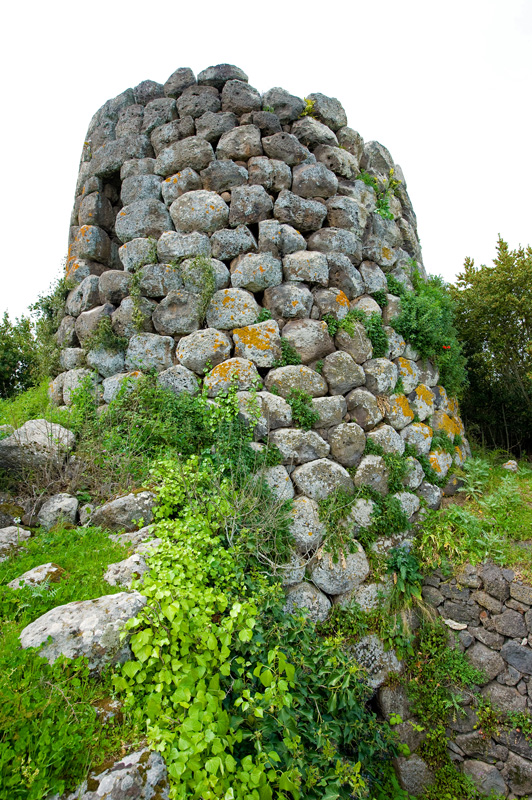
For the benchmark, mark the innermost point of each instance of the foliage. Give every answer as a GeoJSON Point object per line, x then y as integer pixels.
{"type": "Point", "coordinates": [426, 321]}
{"type": "Point", "coordinates": [441, 441]}
{"type": "Point", "coordinates": [384, 188]}
{"type": "Point", "coordinates": [50, 732]}
{"type": "Point", "coordinates": [201, 271]}
{"type": "Point", "coordinates": [395, 286]}
{"type": "Point", "coordinates": [494, 321]}
{"type": "Point", "coordinates": [371, 322]}
{"type": "Point", "coordinates": [289, 355]}
{"type": "Point", "coordinates": [376, 334]}
{"type": "Point", "coordinates": [30, 404]}
{"type": "Point", "coordinates": [47, 312]}
{"type": "Point", "coordinates": [264, 315]}
{"type": "Point", "coordinates": [104, 337]}
{"type": "Point", "coordinates": [309, 110]}
{"type": "Point", "coordinates": [303, 415]}
{"type": "Point", "coordinates": [405, 570]}
{"type": "Point", "coordinates": [225, 683]}
{"type": "Point", "coordinates": [318, 366]}
{"type": "Point", "coordinates": [380, 297]}
{"type": "Point", "coordinates": [17, 355]}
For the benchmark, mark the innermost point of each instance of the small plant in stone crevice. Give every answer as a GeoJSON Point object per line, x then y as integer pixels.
{"type": "Point", "coordinates": [395, 286]}
{"type": "Point", "coordinates": [134, 292]}
{"type": "Point", "coordinates": [264, 315]}
{"type": "Point", "coordinates": [303, 415]}
{"type": "Point", "coordinates": [380, 297]}
{"type": "Point", "coordinates": [441, 441]}
{"type": "Point", "coordinates": [430, 474]}
{"type": "Point", "coordinates": [105, 337]}
{"type": "Point", "coordinates": [309, 110]}
{"type": "Point", "coordinates": [372, 324]}
{"type": "Point", "coordinates": [399, 387]}
{"type": "Point", "coordinates": [404, 568]}
{"type": "Point", "coordinates": [318, 366]}
{"type": "Point", "coordinates": [289, 355]}
{"type": "Point", "coordinates": [207, 285]}
{"type": "Point", "coordinates": [384, 188]}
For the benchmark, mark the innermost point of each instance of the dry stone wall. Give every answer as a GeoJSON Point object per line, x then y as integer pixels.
{"type": "Point", "coordinates": [200, 206]}
{"type": "Point", "coordinates": [490, 611]}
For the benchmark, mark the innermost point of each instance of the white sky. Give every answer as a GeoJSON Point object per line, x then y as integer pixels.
{"type": "Point", "coordinates": [446, 87]}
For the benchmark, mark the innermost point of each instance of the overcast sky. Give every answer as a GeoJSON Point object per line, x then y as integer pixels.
{"type": "Point", "coordinates": [446, 87]}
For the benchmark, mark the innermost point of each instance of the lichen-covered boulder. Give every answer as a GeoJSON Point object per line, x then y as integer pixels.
{"type": "Point", "coordinates": [232, 308]}
{"type": "Point", "coordinates": [317, 479]}
{"type": "Point", "coordinates": [11, 539]}
{"type": "Point", "coordinates": [342, 373]}
{"type": "Point", "coordinates": [288, 301]}
{"type": "Point", "coordinates": [90, 628]}
{"type": "Point", "coordinates": [260, 343]}
{"type": "Point", "coordinates": [379, 663]}
{"type": "Point", "coordinates": [419, 436]}
{"type": "Point", "coordinates": [256, 271]}
{"type": "Point", "coordinates": [148, 351]}
{"type": "Point", "coordinates": [60, 508]}
{"type": "Point", "coordinates": [44, 573]}
{"type": "Point", "coordinates": [180, 312]}
{"type": "Point", "coordinates": [36, 444]}
{"type": "Point", "coordinates": [347, 441]}
{"type": "Point", "coordinates": [373, 472]}
{"type": "Point", "coordinates": [358, 346]}
{"type": "Point", "coordinates": [124, 572]}
{"type": "Point", "coordinates": [201, 211]}
{"type": "Point", "coordinates": [297, 446]}
{"type": "Point", "coordinates": [306, 527]}
{"type": "Point", "coordinates": [387, 437]}
{"type": "Point", "coordinates": [364, 408]}
{"type": "Point", "coordinates": [309, 338]}
{"type": "Point", "coordinates": [125, 513]}
{"type": "Point", "coordinates": [143, 218]}
{"type": "Point", "coordinates": [179, 379]}
{"type": "Point", "coordinates": [343, 574]}
{"type": "Point", "coordinates": [206, 346]}
{"type": "Point", "coordinates": [398, 411]}
{"type": "Point", "coordinates": [306, 597]}
{"type": "Point", "coordinates": [278, 480]}
{"type": "Point", "coordinates": [284, 379]}
{"type": "Point", "coordinates": [235, 371]}
{"type": "Point", "coordinates": [331, 411]}
{"type": "Point", "coordinates": [381, 375]}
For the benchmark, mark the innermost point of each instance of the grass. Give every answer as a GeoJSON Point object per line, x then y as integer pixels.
{"type": "Point", "coordinates": [491, 518]}
{"type": "Point", "coordinates": [50, 728]}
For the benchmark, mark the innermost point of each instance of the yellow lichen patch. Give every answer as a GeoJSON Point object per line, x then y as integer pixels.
{"type": "Point", "coordinates": [405, 367]}
{"type": "Point", "coordinates": [424, 393]}
{"type": "Point", "coordinates": [255, 336]}
{"type": "Point", "coordinates": [401, 401]}
{"type": "Point", "coordinates": [435, 461]}
{"type": "Point", "coordinates": [341, 299]}
{"type": "Point", "coordinates": [386, 252]}
{"type": "Point", "coordinates": [443, 422]}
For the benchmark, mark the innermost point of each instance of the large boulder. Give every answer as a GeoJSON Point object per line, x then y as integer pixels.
{"type": "Point", "coordinates": [35, 445]}
{"type": "Point", "coordinates": [141, 775]}
{"type": "Point", "coordinates": [125, 513]}
{"type": "Point", "coordinates": [90, 628]}
{"type": "Point", "coordinates": [343, 575]}
{"type": "Point", "coordinates": [61, 508]}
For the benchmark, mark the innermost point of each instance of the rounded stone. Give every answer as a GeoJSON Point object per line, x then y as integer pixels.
{"type": "Point", "coordinates": [306, 597]}
{"type": "Point", "coordinates": [344, 575]}
{"type": "Point", "coordinates": [373, 472]}
{"type": "Point", "coordinates": [398, 411]}
{"type": "Point", "coordinates": [284, 379]}
{"type": "Point", "coordinates": [256, 272]}
{"type": "Point", "coordinates": [306, 267]}
{"type": "Point", "coordinates": [381, 375]}
{"type": "Point", "coordinates": [142, 219]}
{"type": "Point", "coordinates": [232, 308]}
{"type": "Point", "coordinates": [203, 347]}
{"type": "Point", "coordinates": [58, 510]}
{"type": "Point", "coordinates": [347, 441]}
{"type": "Point", "coordinates": [201, 211]}
{"type": "Point", "coordinates": [306, 527]}
{"type": "Point", "coordinates": [288, 301]}
{"type": "Point", "coordinates": [179, 380]}
{"type": "Point", "coordinates": [298, 446]}
{"type": "Point", "coordinates": [419, 436]}
{"type": "Point", "coordinates": [309, 338]}
{"type": "Point", "coordinates": [387, 437]}
{"type": "Point", "coordinates": [235, 371]}
{"type": "Point", "coordinates": [180, 312]}
{"type": "Point", "coordinates": [317, 479]}
{"type": "Point", "coordinates": [342, 373]}
{"type": "Point", "coordinates": [148, 351]}
{"type": "Point", "coordinates": [358, 345]}
{"type": "Point", "coordinates": [260, 343]}
{"type": "Point", "coordinates": [364, 408]}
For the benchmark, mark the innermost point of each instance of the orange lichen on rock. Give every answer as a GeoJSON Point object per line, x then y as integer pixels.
{"type": "Point", "coordinates": [424, 393]}
{"type": "Point", "coordinates": [443, 422]}
{"type": "Point", "coordinates": [255, 336]}
{"type": "Point", "coordinates": [405, 367]}
{"type": "Point", "coordinates": [342, 299]}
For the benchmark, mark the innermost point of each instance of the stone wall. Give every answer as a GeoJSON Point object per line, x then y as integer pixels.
{"type": "Point", "coordinates": [491, 612]}
{"type": "Point", "coordinates": [200, 206]}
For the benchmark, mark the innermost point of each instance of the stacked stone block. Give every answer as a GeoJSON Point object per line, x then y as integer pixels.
{"type": "Point", "coordinates": [490, 611]}
{"type": "Point", "coordinates": [271, 197]}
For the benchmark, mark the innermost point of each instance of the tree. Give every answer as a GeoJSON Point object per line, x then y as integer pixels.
{"type": "Point", "coordinates": [17, 355]}
{"type": "Point", "coordinates": [494, 321]}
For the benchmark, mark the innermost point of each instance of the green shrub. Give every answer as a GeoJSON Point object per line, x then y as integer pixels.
{"type": "Point", "coordinates": [289, 355]}
{"type": "Point", "coordinates": [426, 321]}
{"type": "Point", "coordinates": [17, 356]}
{"type": "Point", "coordinates": [303, 415]}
